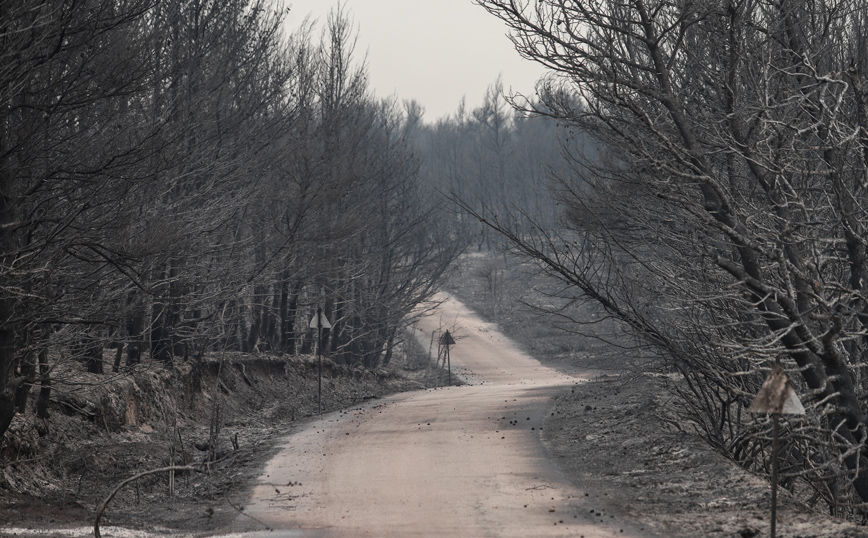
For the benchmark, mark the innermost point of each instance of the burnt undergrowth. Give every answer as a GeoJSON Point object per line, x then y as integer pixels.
{"type": "Point", "coordinates": [223, 415]}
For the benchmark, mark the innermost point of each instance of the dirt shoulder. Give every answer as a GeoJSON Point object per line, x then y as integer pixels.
{"type": "Point", "coordinates": [617, 435]}
{"type": "Point", "coordinates": [129, 427]}
{"type": "Point", "coordinates": [610, 437]}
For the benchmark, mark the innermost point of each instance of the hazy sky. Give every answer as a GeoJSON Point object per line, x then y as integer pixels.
{"type": "Point", "coordinates": [433, 51]}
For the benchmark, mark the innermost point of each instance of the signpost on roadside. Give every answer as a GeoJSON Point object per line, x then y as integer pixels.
{"type": "Point", "coordinates": [776, 397]}
{"type": "Point", "coordinates": [446, 340]}
{"type": "Point", "coordinates": [319, 322]}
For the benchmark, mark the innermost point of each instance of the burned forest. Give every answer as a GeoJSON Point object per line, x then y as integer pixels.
{"type": "Point", "coordinates": [185, 184]}
{"type": "Point", "coordinates": [722, 224]}
{"type": "Point", "coordinates": [179, 179]}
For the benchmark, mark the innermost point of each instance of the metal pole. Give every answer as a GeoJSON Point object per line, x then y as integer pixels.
{"type": "Point", "coordinates": [319, 358]}
{"type": "Point", "coordinates": [439, 356]}
{"type": "Point", "coordinates": [774, 472]}
{"type": "Point", "coordinates": [449, 364]}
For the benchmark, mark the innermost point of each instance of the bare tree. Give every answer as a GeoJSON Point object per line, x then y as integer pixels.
{"type": "Point", "coordinates": [125, 157]}
{"type": "Point", "coordinates": [177, 178]}
{"type": "Point", "coordinates": [721, 222]}
{"type": "Point", "coordinates": [68, 151]}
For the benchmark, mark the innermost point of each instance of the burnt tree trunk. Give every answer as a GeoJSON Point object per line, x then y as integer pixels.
{"type": "Point", "coordinates": [7, 303]}
{"type": "Point", "coordinates": [257, 310]}
{"type": "Point", "coordinates": [135, 328]}
{"type": "Point", "coordinates": [26, 377]}
{"type": "Point", "coordinates": [44, 384]}
{"type": "Point", "coordinates": [289, 337]}
{"type": "Point", "coordinates": [93, 356]}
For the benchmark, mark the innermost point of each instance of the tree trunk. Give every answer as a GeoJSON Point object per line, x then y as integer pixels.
{"type": "Point", "coordinates": [135, 326]}
{"type": "Point", "coordinates": [289, 337]}
{"type": "Point", "coordinates": [258, 311]}
{"type": "Point", "coordinates": [119, 355]}
{"type": "Point", "coordinates": [329, 336]}
{"type": "Point", "coordinates": [282, 314]}
{"type": "Point", "coordinates": [7, 253]}
{"type": "Point", "coordinates": [45, 384]}
{"type": "Point", "coordinates": [93, 356]}
{"type": "Point", "coordinates": [390, 344]}
{"type": "Point", "coordinates": [308, 342]}
{"type": "Point", "coordinates": [27, 368]}
{"type": "Point", "coordinates": [161, 342]}
{"type": "Point", "coordinates": [272, 320]}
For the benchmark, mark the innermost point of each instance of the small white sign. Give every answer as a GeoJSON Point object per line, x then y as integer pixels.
{"type": "Point", "coordinates": [777, 395]}
{"type": "Point", "coordinates": [315, 322]}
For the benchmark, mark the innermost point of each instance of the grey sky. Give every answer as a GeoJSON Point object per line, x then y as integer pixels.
{"type": "Point", "coordinates": [434, 51]}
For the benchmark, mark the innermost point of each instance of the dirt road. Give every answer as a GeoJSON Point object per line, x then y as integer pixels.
{"type": "Point", "coordinates": [457, 461]}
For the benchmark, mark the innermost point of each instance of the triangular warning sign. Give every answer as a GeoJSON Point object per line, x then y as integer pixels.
{"type": "Point", "coordinates": [315, 323]}
{"type": "Point", "coordinates": [446, 339]}
{"type": "Point", "coordinates": [777, 395]}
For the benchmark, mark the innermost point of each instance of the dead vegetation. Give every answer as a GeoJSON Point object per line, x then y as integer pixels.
{"type": "Point", "coordinates": [221, 416]}
{"type": "Point", "coordinates": [627, 435]}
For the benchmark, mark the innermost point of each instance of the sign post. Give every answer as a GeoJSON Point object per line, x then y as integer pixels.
{"type": "Point", "coordinates": [446, 340]}
{"type": "Point", "coordinates": [776, 397]}
{"type": "Point", "coordinates": [319, 322]}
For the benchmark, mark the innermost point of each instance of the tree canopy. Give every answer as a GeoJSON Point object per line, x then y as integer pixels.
{"type": "Point", "coordinates": [180, 177]}
{"type": "Point", "coordinates": [723, 220]}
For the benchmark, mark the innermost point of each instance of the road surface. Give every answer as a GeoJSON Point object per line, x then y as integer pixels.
{"type": "Point", "coordinates": [456, 461]}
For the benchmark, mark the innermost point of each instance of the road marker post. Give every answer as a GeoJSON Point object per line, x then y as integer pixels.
{"type": "Point", "coordinates": [446, 340]}
{"type": "Point", "coordinates": [319, 322]}
{"type": "Point", "coordinates": [776, 397]}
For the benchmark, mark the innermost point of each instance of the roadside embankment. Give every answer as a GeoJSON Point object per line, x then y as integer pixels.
{"type": "Point", "coordinates": [227, 408]}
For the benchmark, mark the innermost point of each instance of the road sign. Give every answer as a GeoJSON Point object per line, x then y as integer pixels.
{"type": "Point", "coordinates": [447, 340]}
{"type": "Point", "coordinates": [777, 396]}
{"type": "Point", "coordinates": [320, 321]}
